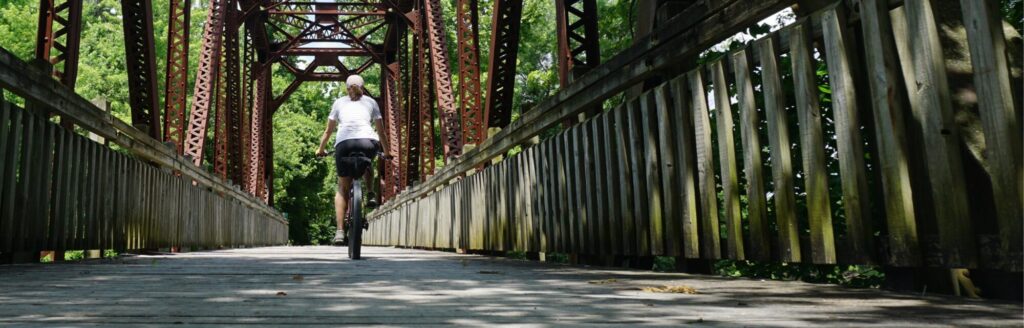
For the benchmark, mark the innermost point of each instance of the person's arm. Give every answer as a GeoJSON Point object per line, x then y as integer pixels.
{"type": "Point", "coordinates": [331, 125]}
{"type": "Point", "coordinates": [379, 125]}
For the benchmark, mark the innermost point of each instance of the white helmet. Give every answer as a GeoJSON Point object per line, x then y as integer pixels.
{"type": "Point", "coordinates": [354, 79]}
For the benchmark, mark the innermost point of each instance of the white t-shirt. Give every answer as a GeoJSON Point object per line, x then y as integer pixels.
{"type": "Point", "coordinates": [355, 118]}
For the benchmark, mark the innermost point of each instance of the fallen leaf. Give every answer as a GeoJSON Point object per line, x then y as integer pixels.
{"type": "Point", "coordinates": [282, 294]}
{"type": "Point", "coordinates": [297, 277]}
{"type": "Point", "coordinates": [670, 289]}
{"type": "Point", "coordinates": [603, 282]}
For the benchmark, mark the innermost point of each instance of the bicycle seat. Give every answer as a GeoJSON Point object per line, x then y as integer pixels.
{"type": "Point", "coordinates": [358, 160]}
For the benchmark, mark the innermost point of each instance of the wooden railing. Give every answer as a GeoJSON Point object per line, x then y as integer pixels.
{"type": "Point", "coordinates": [665, 174]}
{"type": "Point", "coordinates": [60, 190]}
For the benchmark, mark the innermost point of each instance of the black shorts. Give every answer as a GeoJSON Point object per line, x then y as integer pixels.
{"type": "Point", "coordinates": [345, 165]}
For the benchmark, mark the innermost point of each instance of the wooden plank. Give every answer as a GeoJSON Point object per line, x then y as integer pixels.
{"type": "Point", "coordinates": [24, 187]}
{"type": "Point", "coordinates": [45, 180]}
{"type": "Point", "coordinates": [7, 151]}
{"type": "Point", "coordinates": [727, 163]}
{"type": "Point", "coordinates": [680, 117]}
{"type": "Point", "coordinates": [812, 144]}
{"type": "Point", "coordinates": [635, 155]}
{"type": "Point", "coordinates": [705, 169]}
{"type": "Point", "coordinates": [984, 26]}
{"type": "Point", "coordinates": [622, 179]}
{"type": "Point", "coordinates": [598, 147]}
{"type": "Point", "coordinates": [781, 159]}
{"type": "Point", "coordinates": [582, 201]}
{"type": "Point", "coordinates": [501, 198]}
{"type": "Point", "coordinates": [757, 214]}
{"type": "Point", "coordinates": [583, 150]}
{"type": "Point", "coordinates": [530, 190]}
{"type": "Point", "coordinates": [610, 161]}
{"type": "Point", "coordinates": [562, 231]}
{"type": "Point", "coordinates": [571, 165]}
{"type": "Point", "coordinates": [10, 183]}
{"type": "Point", "coordinates": [649, 133]}
{"type": "Point", "coordinates": [61, 186]}
{"type": "Point", "coordinates": [555, 197]}
{"type": "Point", "coordinates": [933, 110]}
{"type": "Point", "coordinates": [839, 47]}
{"type": "Point", "coordinates": [73, 217]}
{"type": "Point", "coordinates": [670, 169]}
{"type": "Point", "coordinates": [546, 196]}
{"type": "Point", "coordinates": [887, 103]}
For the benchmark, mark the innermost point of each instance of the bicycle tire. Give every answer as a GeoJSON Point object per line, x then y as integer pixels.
{"type": "Point", "coordinates": [355, 231]}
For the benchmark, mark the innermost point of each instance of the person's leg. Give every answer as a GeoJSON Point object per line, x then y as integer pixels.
{"type": "Point", "coordinates": [345, 191]}
{"type": "Point", "coordinates": [339, 205]}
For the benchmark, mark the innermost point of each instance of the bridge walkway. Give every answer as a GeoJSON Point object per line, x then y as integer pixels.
{"type": "Point", "coordinates": [314, 286]}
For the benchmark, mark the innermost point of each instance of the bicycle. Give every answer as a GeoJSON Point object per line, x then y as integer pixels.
{"type": "Point", "coordinates": [355, 211]}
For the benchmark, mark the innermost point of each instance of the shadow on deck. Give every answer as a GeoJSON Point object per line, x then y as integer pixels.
{"type": "Point", "coordinates": [319, 286]}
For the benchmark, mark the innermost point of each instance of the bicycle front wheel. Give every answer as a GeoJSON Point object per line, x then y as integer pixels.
{"type": "Point", "coordinates": [355, 228]}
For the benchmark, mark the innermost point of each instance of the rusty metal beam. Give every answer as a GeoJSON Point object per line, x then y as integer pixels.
{"type": "Point", "coordinates": [140, 54]}
{"type": "Point", "coordinates": [391, 95]}
{"type": "Point", "coordinates": [257, 153]}
{"type": "Point", "coordinates": [176, 72]}
{"type": "Point", "coordinates": [412, 109]}
{"type": "Point", "coordinates": [234, 95]}
{"type": "Point", "coordinates": [578, 39]}
{"type": "Point", "coordinates": [58, 37]}
{"type": "Point", "coordinates": [426, 108]}
{"type": "Point", "coordinates": [248, 81]}
{"type": "Point", "coordinates": [467, 23]}
{"type": "Point", "coordinates": [205, 81]}
{"type": "Point", "coordinates": [451, 127]}
{"type": "Point", "coordinates": [220, 124]}
{"type": "Point", "coordinates": [502, 68]}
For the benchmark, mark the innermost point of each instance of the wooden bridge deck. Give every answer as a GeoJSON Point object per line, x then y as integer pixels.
{"type": "Point", "coordinates": [307, 286]}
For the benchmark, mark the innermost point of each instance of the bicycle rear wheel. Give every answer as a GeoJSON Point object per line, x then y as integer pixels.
{"type": "Point", "coordinates": [355, 228]}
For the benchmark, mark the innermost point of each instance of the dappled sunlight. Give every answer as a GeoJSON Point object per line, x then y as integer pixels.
{"type": "Point", "coordinates": [318, 285]}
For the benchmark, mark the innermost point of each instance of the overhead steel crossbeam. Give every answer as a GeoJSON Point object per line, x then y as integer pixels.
{"type": "Point", "coordinates": [502, 68]}
{"type": "Point", "coordinates": [58, 37]}
{"type": "Point", "coordinates": [140, 54]}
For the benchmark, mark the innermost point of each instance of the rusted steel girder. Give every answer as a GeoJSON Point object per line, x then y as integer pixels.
{"type": "Point", "coordinates": [257, 145]}
{"type": "Point", "coordinates": [248, 60]}
{"type": "Point", "coordinates": [467, 23]}
{"type": "Point", "coordinates": [391, 94]}
{"type": "Point", "coordinates": [426, 110]}
{"type": "Point", "coordinates": [502, 68]}
{"type": "Point", "coordinates": [176, 73]}
{"type": "Point", "coordinates": [578, 46]}
{"type": "Point", "coordinates": [203, 96]}
{"type": "Point", "coordinates": [140, 54]}
{"type": "Point", "coordinates": [60, 29]}
{"type": "Point", "coordinates": [220, 123]}
{"type": "Point", "coordinates": [412, 109]}
{"type": "Point", "coordinates": [451, 128]}
{"type": "Point", "coordinates": [234, 95]}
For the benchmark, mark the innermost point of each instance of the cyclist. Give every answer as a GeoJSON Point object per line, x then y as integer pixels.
{"type": "Point", "coordinates": [352, 115]}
